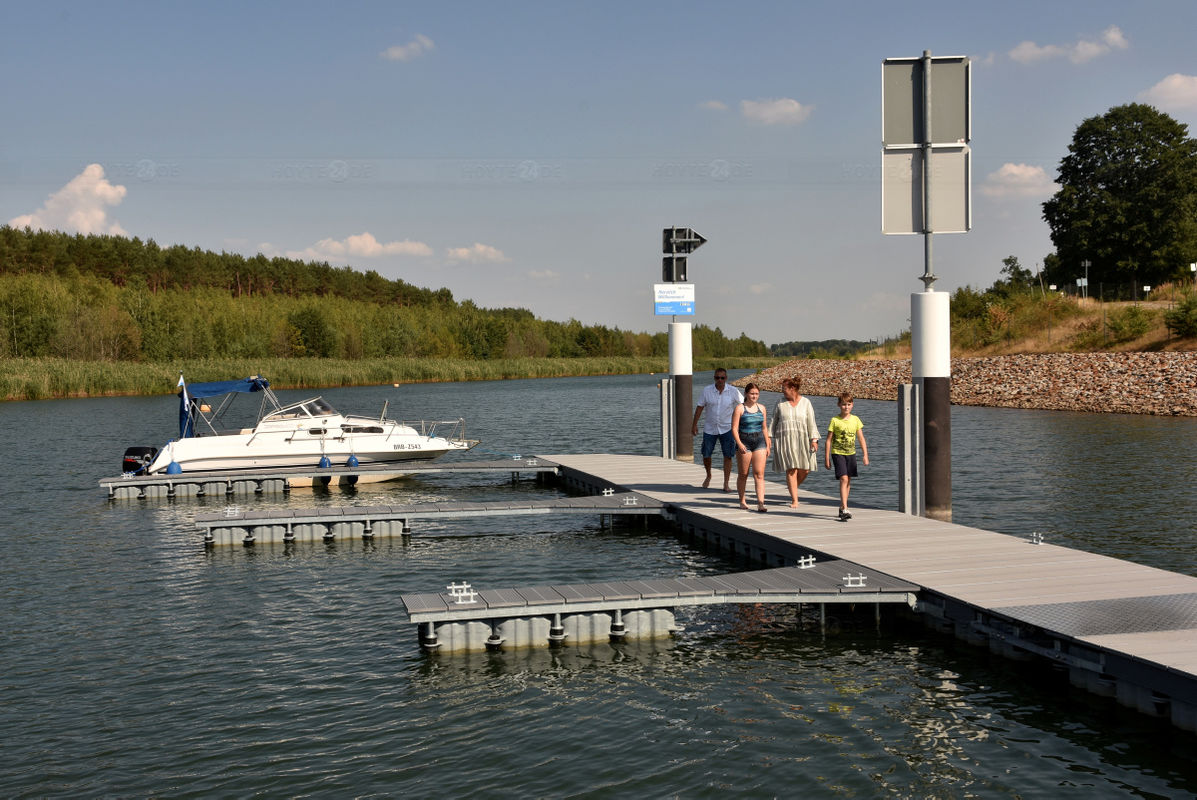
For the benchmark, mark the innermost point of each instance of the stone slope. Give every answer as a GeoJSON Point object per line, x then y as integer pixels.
{"type": "Point", "coordinates": [1163, 383]}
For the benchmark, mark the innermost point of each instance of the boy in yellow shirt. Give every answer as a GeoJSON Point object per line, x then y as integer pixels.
{"type": "Point", "coordinates": [842, 435]}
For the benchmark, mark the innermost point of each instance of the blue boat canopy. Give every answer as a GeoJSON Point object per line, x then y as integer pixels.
{"type": "Point", "coordinates": [194, 391]}
{"type": "Point", "coordinates": [254, 384]}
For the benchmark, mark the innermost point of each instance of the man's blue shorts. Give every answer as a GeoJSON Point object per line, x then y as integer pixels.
{"type": "Point", "coordinates": [726, 441]}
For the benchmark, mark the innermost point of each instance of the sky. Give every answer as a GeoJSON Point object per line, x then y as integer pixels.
{"type": "Point", "coordinates": [528, 154]}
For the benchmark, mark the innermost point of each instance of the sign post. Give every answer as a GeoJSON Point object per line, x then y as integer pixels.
{"type": "Point", "coordinates": [926, 114]}
{"type": "Point", "coordinates": [674, 297]}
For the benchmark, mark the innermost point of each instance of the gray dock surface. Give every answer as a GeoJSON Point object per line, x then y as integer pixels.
{"type": "Point", "coordinates": [827, 581]}
{"type": "Point", "coordinates": [1130, 626]}
{"type": "Point", "coordinates": [234, 526]}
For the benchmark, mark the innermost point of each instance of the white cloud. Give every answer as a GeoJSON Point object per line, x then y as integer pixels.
{"type": "Point", "coordinates": [1078, 53]}
{"type": "Point", "coordinates": [1018, 180]}
{"type": "Point", "coordinates": [78, 207]}
{"type": "Point", "coordinates": [1113, 37]}
{"type": "Point", "coordinates": [713, 105]}
{"type": "Point", "coordinates": [1175, 93]}
{"type": "Point", "coordinates": [781, 111]}
{"type": "Point", "coordinates": [410, 51]}
{"type": "Point", "coordinates": [361, 245]}
{"type": "Point", "coordinates": [477, 254]}
{"type": "Point", "coordinates": [543, 274]}
{"type": "Point", "coordinates": [1028, 52]}
{"type": "Point", "coordinates": [761, 288]}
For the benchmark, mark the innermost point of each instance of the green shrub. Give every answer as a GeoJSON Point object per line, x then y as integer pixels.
{"type": "Point", "coordinates": [1130, 323]}
{"type": "Point", "coordinates": [1182, 320]}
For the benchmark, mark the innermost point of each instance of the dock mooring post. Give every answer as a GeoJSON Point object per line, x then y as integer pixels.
{"type": "Point", "coordinates": [931, 369]}
{"type": "Point", "coordinates": [681, 369]}
{"type": "Point", "coordinates": [668, 425]}
{"type": "Point", "coordinates": [910, 450]}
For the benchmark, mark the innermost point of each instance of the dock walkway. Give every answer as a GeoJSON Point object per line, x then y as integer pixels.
{"type": "Point", "coordinates": [598, 611]}
{"type": "Point", "coordinates": [329, 524]}
{"type": "Point", "coordinates": [1121, 629]}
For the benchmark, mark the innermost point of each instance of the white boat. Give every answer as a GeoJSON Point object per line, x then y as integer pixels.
{"type": "Point", "coordinates": [310, 433]}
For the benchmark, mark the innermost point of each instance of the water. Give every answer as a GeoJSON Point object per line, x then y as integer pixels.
{"type": "Point", "coordinates": [135, 663]}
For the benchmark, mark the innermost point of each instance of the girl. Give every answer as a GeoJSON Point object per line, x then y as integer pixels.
{"type": "Point", "coordinates": [752, 444]}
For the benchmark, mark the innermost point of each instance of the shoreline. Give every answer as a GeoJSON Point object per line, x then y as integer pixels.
{"type": "Point", "coordinates": [1157, 384]}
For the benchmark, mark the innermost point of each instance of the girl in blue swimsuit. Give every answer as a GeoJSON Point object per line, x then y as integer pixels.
{"type": "Point", "coordinates": [752, 444]}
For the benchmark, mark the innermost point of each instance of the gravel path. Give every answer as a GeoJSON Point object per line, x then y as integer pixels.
{"type": "Point", "coordinates": [1125, 383]}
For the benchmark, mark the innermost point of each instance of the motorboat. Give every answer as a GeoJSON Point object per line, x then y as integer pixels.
{"type": "Point", "coordinates": [310, 433]}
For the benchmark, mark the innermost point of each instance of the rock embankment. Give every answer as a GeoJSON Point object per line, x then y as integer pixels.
{"type": "Point", "coordinates": [1124, 383]}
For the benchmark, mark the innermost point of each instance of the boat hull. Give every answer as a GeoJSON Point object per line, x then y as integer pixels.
{"type": "Point", "coordinates": [263, 452]}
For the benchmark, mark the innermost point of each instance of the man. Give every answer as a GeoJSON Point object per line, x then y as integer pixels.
{"type": "Point", "coordinates": [719, 400]}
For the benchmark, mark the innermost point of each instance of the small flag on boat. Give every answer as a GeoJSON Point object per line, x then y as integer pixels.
{"type": "Point", "coordinates": [185, 426]}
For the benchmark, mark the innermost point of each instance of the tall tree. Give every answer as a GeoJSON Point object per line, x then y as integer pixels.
{"type": "Point", "coordinates": [1128, 198]}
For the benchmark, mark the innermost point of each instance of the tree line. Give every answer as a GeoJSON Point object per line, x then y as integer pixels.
{"type": "Point", "coordinates": [826, 348]}
{"type": "Point", "coordinates": [112, 298]}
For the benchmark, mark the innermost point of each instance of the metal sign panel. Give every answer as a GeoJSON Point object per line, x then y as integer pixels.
{"type": "Point", "coordinates": [902, 101]}
{"type": "Point", "coordinates": [673, 299]}
{"type": "Point", "coordinates": [681, 240]}
{"type": "Point", "coordinates": [906, 142]}
{"type": "Point", "coordinates": [902, 190]}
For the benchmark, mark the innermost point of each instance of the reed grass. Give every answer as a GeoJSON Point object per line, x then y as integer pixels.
{"type": "Point", "coordinates": [40, 379]}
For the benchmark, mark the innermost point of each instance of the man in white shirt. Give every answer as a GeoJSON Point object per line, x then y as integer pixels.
{"type": "Point", "coordinates": [720, 400]}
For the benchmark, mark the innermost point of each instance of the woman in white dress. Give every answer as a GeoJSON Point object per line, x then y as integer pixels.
{"type": "Point", "coordinates": [795, 437]}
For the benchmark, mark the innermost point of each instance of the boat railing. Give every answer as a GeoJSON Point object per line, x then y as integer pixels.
{"type": "Point", "coordinates": [451, 429]}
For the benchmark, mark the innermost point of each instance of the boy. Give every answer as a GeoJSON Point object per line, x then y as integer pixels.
{"type": "Point", "coordinates": [842, 435]}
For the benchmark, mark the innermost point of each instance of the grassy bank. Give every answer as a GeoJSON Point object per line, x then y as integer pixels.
{"type": "Point", "coordinates": [1166, 321]}
{"type": "Point", "coordinates": [39, 379]}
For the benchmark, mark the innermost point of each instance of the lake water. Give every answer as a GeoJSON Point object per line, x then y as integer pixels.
{"type": "Point", "coordinates": [134, 663]}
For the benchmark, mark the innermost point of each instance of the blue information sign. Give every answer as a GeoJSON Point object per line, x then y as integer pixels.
{"type": "Point", "coordinates": [673, 299]}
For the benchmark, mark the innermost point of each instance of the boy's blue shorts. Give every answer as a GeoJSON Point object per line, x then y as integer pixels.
{"type": "Point", "coordinates": [726, 441]}
{"type": "Point", "coordinates": [844, 465]}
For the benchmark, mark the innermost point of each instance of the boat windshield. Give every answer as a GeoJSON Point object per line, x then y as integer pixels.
{"type": "Point", "coordinates": [319, 408]}
{"type": "Point", "coordinates": [316, 407]}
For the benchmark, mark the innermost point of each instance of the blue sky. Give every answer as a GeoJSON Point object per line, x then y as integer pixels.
{"type": "Point", "coordinates": [528, 154]}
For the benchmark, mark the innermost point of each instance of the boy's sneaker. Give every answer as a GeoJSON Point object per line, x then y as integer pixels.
{"type": "Point", "coordinates": [845, 515]}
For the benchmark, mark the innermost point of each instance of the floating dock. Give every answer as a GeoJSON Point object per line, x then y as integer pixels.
{"type": "Point", "coordinates": [234, 526]}
{"type": "Point", "coordinates": [464, 619]}
{"type": "Point", "coordinates": [1119, 629]}
{"type": "Point", "coordinates": [258, 481]}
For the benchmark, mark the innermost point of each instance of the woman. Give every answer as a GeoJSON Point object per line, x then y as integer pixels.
{"type": "Point", "coordinates": [752, 444]}
{"type": "Point", "coordinates": [797, 437]}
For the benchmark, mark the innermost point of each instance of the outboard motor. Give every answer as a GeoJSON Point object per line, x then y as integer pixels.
{"type": "Point", "coordinates": [138, 458]}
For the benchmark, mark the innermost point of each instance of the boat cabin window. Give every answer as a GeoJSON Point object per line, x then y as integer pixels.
{"type": "Point", "coordinates": [318, 431]}
{"type": "Point", "coordinates": [361, 429]}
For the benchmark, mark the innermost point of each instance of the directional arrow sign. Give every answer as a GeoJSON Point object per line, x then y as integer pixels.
{"type": "Point", "coordinates": [681, 240]}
